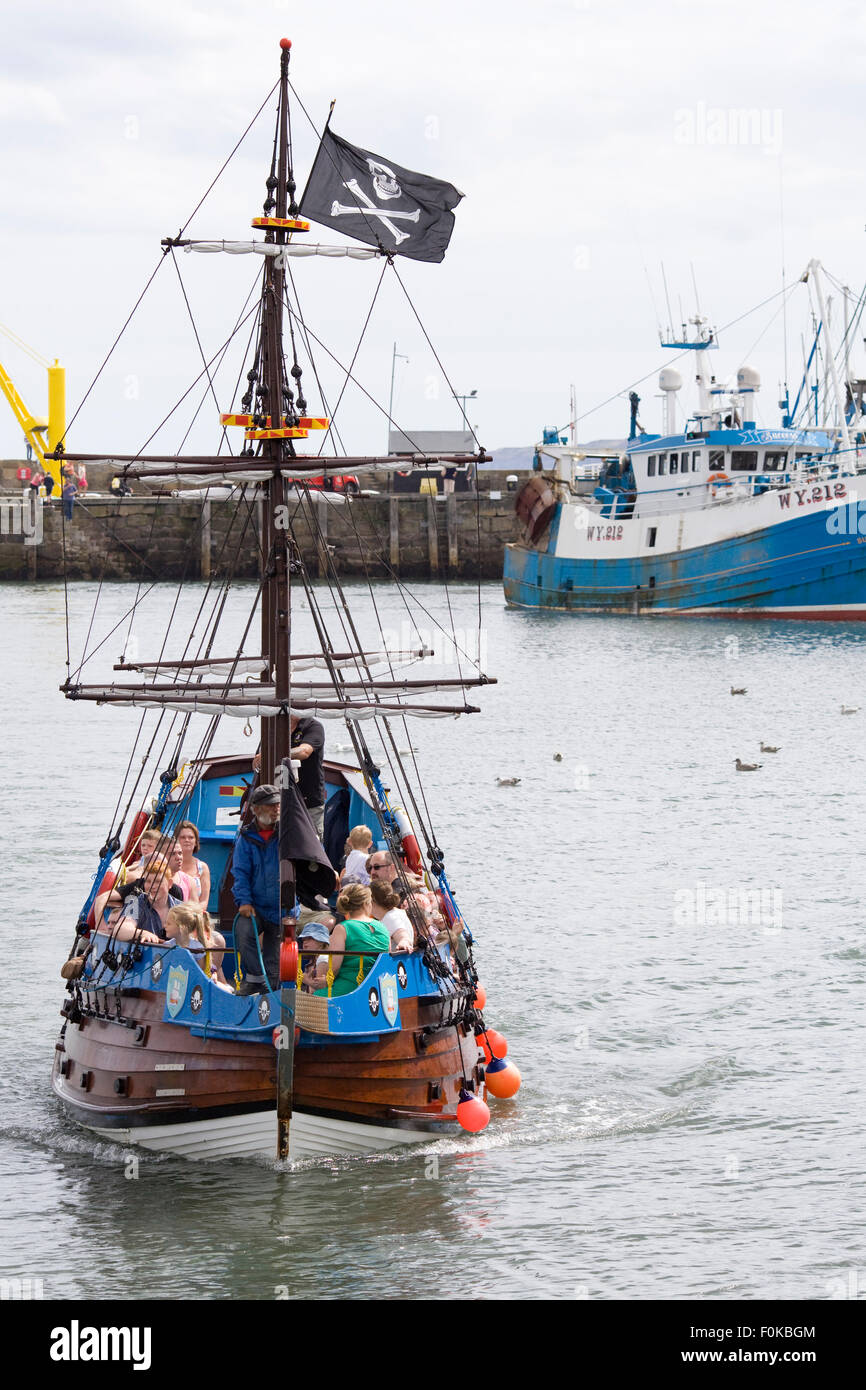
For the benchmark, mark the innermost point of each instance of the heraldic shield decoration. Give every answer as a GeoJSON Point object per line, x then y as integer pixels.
{"type": "Point", "coordinates": [388, 991]}
{"type": "Point", "coordinates": [381, 204]}
{"type": "Point", "coordinates": [175, 989]}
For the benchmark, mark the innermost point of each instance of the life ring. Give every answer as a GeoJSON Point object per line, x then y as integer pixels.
{"type": "Point", "coordinates": [718, 480]}
{"type": "Point", "coordinates": [106, 883]}
{"type": "Point", "coordinates": [408, 843]}
{"type": "Point", "coordinates": [132, 839]}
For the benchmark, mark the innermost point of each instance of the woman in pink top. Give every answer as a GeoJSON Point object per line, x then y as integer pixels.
{"type": "Point", "coordinates": [195, 869]}
{"type": "Point", "coordinates": [183, 881]}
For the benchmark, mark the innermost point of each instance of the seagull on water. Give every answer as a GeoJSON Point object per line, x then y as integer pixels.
{"type": "Point", "coordinates": [507, 781]}
{"type": "Point", "coordinates": [850, 709]}
{"type": "Point", "coordinates": [768, 748]}
{"type": "Point", "coordinates": [738, 689]}
{"type": "Point", "coordinates": [557, 757]}
{"type": "Point", "coordinates": [747, 767]}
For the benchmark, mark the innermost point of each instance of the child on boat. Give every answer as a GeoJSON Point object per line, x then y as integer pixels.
{"type": "Point", "coordinates": [312, 938]}
{"type": "Point", "coordinates": [361, 842]}
{"type": "Point", "coordinates": [191, 928]}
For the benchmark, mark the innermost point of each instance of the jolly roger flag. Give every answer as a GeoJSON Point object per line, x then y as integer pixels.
{"type": "Point", "coordinates": [381, 204]}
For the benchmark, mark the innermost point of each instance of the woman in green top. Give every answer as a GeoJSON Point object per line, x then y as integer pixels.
{"type": "Point", "coordinates": [359, 932]}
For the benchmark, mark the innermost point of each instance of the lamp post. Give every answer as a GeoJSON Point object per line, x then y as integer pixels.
{"type": "Point", "coordinates": [470, 396]}
{"type": "Point", "coordinates": [395, 354]}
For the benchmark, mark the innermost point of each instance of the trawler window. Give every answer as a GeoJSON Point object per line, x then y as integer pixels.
{"type": "Point", "coordinates": [696, 460]}
{"type": "Point", "coordinates": [717, 460]}
{"type": "Point", "coordinates": [651, 535]}
{"type": "Point", "coordinates": [774, 461]}
{"type": "Point", "coordinates": [663, 465]}
{"type": "Point", "coordinates": [744, 460]}
{"type": "Point", "coordinates": [675, 463]}
{"type": "Point", "coordinates": [651, 466]}
{"type": "Point", "coordinates": [801, 457]}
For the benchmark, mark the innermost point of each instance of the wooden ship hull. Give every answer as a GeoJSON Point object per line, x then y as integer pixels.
{"type": "Point", "coordinates": [141, 1081]}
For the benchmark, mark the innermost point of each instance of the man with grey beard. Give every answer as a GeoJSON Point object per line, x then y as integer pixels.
{"type": "Point", "coordinates": [256, 889]}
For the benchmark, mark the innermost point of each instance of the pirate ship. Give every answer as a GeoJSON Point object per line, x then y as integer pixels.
{"type": "Point", "coordinates": [151, 1051]}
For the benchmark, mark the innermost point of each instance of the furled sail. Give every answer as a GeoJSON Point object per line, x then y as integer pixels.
{"type": "Point", "coordinates": [292, 248]}
{"type": "Point", "coordinates": [262, 704]}
{"type": "Point", "coordinates": [247, 665]}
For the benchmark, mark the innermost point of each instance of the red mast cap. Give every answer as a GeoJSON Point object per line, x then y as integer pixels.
{"type": "Point", "coordinates": [285, 43]}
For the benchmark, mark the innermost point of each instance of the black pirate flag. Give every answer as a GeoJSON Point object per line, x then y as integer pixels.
{"type": "Point", "coordinates": [381, 204]}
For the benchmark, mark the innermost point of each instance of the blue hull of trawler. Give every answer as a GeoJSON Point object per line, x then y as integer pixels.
{"type": "Point", "coordinates": [805, 567]}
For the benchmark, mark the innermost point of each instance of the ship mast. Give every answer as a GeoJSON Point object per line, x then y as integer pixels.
{"type": "Point", "coordinates": [276, 575]}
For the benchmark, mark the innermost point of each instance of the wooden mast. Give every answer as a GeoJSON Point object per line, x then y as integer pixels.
{"type": "Point", "coordinates": [276, 590]}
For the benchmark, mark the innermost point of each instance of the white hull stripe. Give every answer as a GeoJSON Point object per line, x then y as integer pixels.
{"type": "Point", "coordinates": [255, 1134]}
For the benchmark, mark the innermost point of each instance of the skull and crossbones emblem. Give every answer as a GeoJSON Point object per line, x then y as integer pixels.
{"type": "Point", "coordinates": [385, 187]}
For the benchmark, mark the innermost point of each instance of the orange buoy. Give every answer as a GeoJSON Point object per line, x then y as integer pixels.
{"type": "Point", "coordinates": [502, 1079]}
{"type": "Point", "coordinates": [288, 961]}
{"type": "Point", "coordinates": [472, 1114]}
{"type": "Point", "coordinates": [479, 998]}
{"type": "Point", "coordinates": [492, 1044]}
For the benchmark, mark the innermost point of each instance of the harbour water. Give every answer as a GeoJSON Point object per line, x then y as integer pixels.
{"type": "Point", "coordinates": [675, 951]}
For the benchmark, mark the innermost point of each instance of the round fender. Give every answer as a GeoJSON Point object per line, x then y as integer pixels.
{"type": "Point", "coordinates": [288, 962]}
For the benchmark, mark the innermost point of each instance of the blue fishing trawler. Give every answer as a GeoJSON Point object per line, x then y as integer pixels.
{"type": "Point", "coordinates": [721, 518]}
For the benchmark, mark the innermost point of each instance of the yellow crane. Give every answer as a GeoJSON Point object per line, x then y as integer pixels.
{"type": "Point", "coordinates": [37, 427]}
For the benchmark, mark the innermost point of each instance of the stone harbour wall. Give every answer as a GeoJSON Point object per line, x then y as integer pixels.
{"type": "Point", "coordinates": [169, 538]}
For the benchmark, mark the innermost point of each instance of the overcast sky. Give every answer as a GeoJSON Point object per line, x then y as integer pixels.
{"type": "Point", "coordinates": [592, 141]}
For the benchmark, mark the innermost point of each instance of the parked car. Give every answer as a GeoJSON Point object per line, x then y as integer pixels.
{"type": "Point", "coordinates": [341, 483]}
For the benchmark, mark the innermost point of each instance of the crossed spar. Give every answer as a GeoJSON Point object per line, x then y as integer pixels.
{"type": "Point", "coordinates": [353, 186]}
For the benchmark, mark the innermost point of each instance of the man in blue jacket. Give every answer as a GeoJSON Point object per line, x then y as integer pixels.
{"type": "Point", "coordinates": [256, 889]}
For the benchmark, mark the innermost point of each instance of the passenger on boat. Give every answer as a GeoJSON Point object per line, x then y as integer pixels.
{"type": "Point", "coordinates": [385, 907]}
{"type": "Point", "coordinates": [152, 844]}
{"type": "Point", "coordinates": [174, 856]}
{"type": "Point", "coordinates": [360, 931]}
{"type": "Point", "coordinates": [143, 913]}
{"type": "Point", "coordinates": [196, 869]}
{"type": "Point", "coordinates": [256, 889]}
{"type": "Point", "coordinates": [381, 867]}
{"type": "Point", "coordinates": [360, 843]}
{"type": "Point", "coordinates": [191, 928]}
{"type": "Point", "coordinates": [313, 937]}
{"type": "Point", "coordinates": [308, 746]}
{"type": "Point", "coordinates": [148, 845]}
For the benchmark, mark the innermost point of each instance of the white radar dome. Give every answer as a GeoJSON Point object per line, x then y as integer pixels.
{"type": "Point", "coordinates": [748, 379]}
{"type": "Point", "coordinates": [670, 379]}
